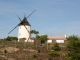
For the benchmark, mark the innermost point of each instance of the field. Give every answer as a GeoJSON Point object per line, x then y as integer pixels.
{"type": "Point", "coordinates": [28, 51]}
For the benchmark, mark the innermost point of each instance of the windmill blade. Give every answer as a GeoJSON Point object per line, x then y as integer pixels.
{"type": "Point", "coordinates": [20, 21]}
{"type": "Point", "coordinates": [12, 29]}
{"type": "Point", "coordinates": [31, 13]}
{"type": "Point", "coordinates": [28, 32]}
{"type": "Point", "coordinates": [28, 38]}
{"type": "Point", "coordinates": [16, 26]}
{"type": "Point", "coordinates": [27, 29]}
{"type": "Point", "coordinates": [27, 17]}
{"type": "Point", "coordinates": [16, 15]}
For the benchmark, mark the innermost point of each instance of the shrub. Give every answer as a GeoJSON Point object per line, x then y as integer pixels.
{"type": "Point", "coordinates": [56, 47]}
{"type": "Point", "coordinates": [54, 54]}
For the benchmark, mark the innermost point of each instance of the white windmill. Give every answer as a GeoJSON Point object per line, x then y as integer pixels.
{"type": "Point", "coordinates": [24, 28]}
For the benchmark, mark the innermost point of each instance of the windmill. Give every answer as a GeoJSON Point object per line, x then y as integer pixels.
{"type": "Point", "coordinates": [24, 28]}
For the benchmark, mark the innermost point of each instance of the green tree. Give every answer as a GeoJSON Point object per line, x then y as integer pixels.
{"type": "Point", "coordinates": [73, 47]}
{"type": "Point", "coordinates": [54, 54]}
{"type": "Point", "coordinates": [43, 38]}
{"type": "Point", "coordinates": [56, 47]}
{"type": "Point", "coordinates": [11, 38]}
{"type": "Point", "coordinates": [34, 32]}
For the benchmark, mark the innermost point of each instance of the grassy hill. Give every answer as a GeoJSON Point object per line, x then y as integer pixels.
{"type": "Point", "coordinates": [28, 51]}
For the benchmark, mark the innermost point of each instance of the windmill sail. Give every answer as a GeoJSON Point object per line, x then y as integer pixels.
{"type": "Point", "coordinates": [23, 22]}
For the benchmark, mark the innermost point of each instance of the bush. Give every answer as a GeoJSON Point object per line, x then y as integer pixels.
{"type": "Point", "coordinates": [73, 47]}
{"type": "Point", "coordinates": [54, 54]}
{"type": "Point", "coordinates": [56, 47]}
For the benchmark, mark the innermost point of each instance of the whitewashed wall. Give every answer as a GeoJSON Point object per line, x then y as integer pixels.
{"type": "Point", "coordinates": [60, 41]}
{"type": "Point", "coordinates": [49, 41]}
{"type": "Point", "coordinates": [23, 33]}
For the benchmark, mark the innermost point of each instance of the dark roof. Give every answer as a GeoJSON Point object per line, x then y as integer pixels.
{"type": "Point", "coordinates": [25, 22]}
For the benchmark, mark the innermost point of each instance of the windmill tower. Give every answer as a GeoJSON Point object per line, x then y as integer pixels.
{"type": "Point", "coordinates": [24, 28]}
{"type": "Point", "coordinates": [22, 33]}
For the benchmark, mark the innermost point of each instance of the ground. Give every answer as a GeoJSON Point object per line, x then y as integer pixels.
{"type": "Point", "coordinates": [28, 51]}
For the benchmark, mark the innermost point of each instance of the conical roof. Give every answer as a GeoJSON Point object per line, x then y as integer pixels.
{"type": "Point", "coordinates": [25, 22]}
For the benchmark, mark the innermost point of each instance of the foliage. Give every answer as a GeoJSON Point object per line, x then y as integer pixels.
{"type": "Point", "coordinates": [38, 37]}
{"type": "Point", "coordinates": [34, 32]}
{"type": "Point", "coordinates": [43, 38]}
{"type": "Point", "coordinates": [54, 54]}
{"type": "Point", "coordinates": [10, 38]}
{"type": "Point", "coordinates": [73, 47]}
{"type": "Point", "coordinates": [56, 47]}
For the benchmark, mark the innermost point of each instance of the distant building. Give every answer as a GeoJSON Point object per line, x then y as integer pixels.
{"type": "Point", "coordinates": [54, 40]}
{"type": "Point", "coordinates": [57, 40]}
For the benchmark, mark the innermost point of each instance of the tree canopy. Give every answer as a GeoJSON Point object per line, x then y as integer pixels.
{"type": "Point", "coordinates": [34, 32]}
{"type": "Point", "coordinates": [43, 38]}
{"type": "Point", "coordinates": [10, 38]}
{"type": "Point", "coordinates": [73, 47]}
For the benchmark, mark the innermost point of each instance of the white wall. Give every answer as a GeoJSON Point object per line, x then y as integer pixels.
{"type": "Point", "coordinates": [57, 41]}
{"type": "Point", "coordinates": [23, 33]}
{"type": "Point", "coordinates": [60, 41]}
{"type": "Point", "coordinates": [49, 41]}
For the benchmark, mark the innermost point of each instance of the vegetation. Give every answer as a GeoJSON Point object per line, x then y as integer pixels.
{"type": "Point", "coordinates": [73, 47]}
{"type": "Point", "coordinates": [43, 38]}
{"type": "Point", "coordinates": [56, 51]}
{"type": "Point", "coordinates": [34, 32]}
{"type": "Point", "coordinates": [56, 47]}
{"type": "Point", "coordinates": [54, 54]}
{"type": "Point", "coordinates": [11, 38]}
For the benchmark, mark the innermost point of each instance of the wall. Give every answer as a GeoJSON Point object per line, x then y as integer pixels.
{"type": "Point", "coordinates": [23, 33]}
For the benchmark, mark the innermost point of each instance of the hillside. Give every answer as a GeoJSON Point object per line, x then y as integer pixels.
{"type": "Point", "coordinates": [27, 51]}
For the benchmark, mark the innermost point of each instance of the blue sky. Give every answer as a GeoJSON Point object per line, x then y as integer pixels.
{"type": "Point", "coordinates": [52, 17]}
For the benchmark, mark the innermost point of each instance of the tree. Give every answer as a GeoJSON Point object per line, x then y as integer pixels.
{"type": "Point", "coordinates": [43, 38]}
{"type": "Point", "coordinates": [73, 47]}
{"type": "Point", "coordinates": [34, 32]}
{"type": "Point", "coordinates": [10, 38]}
{"type": "Point", "coordinates": [56, 47]}
{"type": "Point", "coordinates": [55, 52]}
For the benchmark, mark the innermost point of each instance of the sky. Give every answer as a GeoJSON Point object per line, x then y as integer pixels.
{"type": "Point", "coordinates": [52, 17]}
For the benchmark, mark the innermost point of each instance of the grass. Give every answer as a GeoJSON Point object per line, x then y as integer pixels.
{"type": "Point", "coordinates": [26, 51]}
